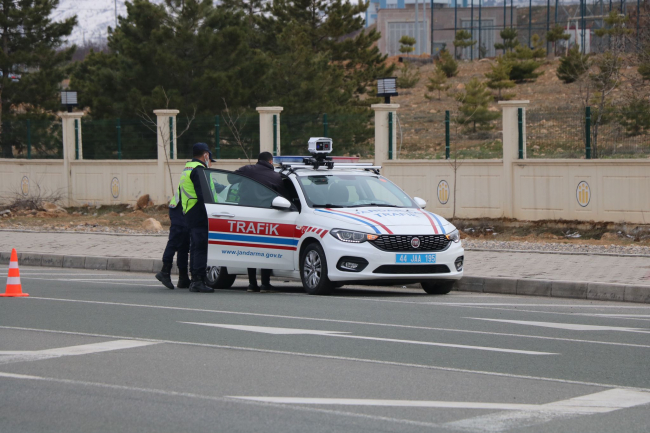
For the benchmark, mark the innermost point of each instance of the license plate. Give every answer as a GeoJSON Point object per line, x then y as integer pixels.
{"type": "Point", "coordinates": [415, 258]}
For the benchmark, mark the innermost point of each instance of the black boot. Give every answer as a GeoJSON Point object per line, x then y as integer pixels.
{"type": "Point", "coordinates": [198, 283]}
{"type": "Point", "coordinates": [164, 276]}
{"type": "Point", "coordinates": [183, 279]}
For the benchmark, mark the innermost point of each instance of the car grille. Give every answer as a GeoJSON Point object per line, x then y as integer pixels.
{"type": "Point", "coordinates": [403, 242]}
{"type": "Point", "coordinates": [412, 269]}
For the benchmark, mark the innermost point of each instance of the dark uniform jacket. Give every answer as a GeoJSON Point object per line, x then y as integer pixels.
{"type": "Point", "coordinates": [263, 173]}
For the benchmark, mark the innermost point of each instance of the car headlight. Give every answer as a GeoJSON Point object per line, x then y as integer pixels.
{"type": "Point", "coordinates": [453, 236]}
{"type": "Point", "coordinates": [352, 236]}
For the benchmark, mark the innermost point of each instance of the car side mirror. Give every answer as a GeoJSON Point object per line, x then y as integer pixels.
{"type": "Point", "coordinates": [281, 203]}
{"type": "Point", "coordinates": [418, 201]}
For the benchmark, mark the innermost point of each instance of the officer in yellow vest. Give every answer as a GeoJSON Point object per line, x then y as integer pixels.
{"type": "Point", "coordinates": [196, 216]}
{"type": "Point", "coordinates": [179, 244]}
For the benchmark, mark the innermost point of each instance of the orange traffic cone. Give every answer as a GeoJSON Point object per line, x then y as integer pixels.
{"type": "Point", "coordinates": [14, 288]}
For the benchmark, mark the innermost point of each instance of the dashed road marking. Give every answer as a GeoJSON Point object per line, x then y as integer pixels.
{"type": "Point", "coordinates": [294, 331]}
{"type": "Point", "coordinates": [9, 356]}
{"type": "Point", "coordinates": [567, 326]}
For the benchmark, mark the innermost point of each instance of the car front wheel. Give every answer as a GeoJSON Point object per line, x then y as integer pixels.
{"type": "Point", "coordinates": [437, 287]}
{"type": "Point", "coordinates": [218, 277]}
{"type": "Point", "coordinates": [313, 271]}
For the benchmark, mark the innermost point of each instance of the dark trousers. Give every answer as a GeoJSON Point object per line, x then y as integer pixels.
{"type": "Point", "coordinates": [179, 240]}
{"type": "Point", "coordinates": [252, 277]}
{"type": "Point", "coordinates": [199, 250]}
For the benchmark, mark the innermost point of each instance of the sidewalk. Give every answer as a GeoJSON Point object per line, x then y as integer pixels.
{"type": "Point", "coordinates": [501, 271]}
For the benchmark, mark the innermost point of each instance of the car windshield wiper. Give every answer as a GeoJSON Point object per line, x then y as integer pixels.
{"type": "Point", "coordinates": [378, 205]}
{"type": "Point", "coordinates": [327, 205]}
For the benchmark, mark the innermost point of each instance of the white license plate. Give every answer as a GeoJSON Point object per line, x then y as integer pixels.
{"type": "Point", "coordinates": [415, 258]}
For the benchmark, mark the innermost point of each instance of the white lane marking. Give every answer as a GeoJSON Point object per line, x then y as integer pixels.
{"type": "Point", "coordinates": [567, 326]}
{"type": "Point", "coordinates": [213, 398]}
{"type": "Point", "coordinates": [315, 319]}
{"type": "Point", "coordinates": [388, 403]}
{"type": "Point", "coordinates": [484, 304]}
{"type": "Point", "coordinates": [622, 316]}
{"type": "Point", "coordinates": [601, 402]}
{"type": "Point", "coordinates": [94, 282]}
{"type": "Point", "coordinates": [8, 356]}
{"type": "Point", "coordinates": [268, 330]}
{"type": "Point", "coordinates": [342, 358]}
{"type": "Point", "coordinates": [293, 331]}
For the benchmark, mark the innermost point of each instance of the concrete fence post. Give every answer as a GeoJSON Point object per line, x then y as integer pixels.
{"type": "Point", "coordinates": [382, 138]}
{"type": "Point", "coordinates": [167, 150]}
{"type": "Point", "coordinates": [269, 124]}
{"type": "Point", "coordinates": [72, 149]}
{"type": "Point", "coordinates": [511, 149]}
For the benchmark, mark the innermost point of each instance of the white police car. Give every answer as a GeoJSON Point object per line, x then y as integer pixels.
{"type": "Point", "coordinates": [339, 224]}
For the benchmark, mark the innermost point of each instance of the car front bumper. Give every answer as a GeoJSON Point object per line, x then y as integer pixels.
{"type": "Point", "coordinates": [382, 265]}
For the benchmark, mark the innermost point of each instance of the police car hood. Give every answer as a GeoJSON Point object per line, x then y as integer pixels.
{"type": "Point", "coordinates": [388, 220]}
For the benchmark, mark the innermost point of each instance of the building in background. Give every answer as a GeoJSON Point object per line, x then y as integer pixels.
{"type": "Point", "coordinates": [393, 23]}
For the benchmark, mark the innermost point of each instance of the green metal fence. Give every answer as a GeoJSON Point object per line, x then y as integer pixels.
{"type": "Point", "coordinates": [443, 135]}
{"type": "Point", "coordinates": [118, 139]}
{"type": "Point", "coordinates": [581, 134]}
{"type": "Point", "coordinates": [352, 134]}
{"type": "Point", "coordinates": [31, 139]}
{"type": "Point", "coordinates": [229, 137]}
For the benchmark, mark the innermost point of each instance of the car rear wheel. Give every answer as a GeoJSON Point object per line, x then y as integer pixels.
{"type": "Point", "coordinates": [437, 287]}
{"type": "Point", "coordinates": [218, 277]}
{"type": "Point", "coordinates": [313, 271]}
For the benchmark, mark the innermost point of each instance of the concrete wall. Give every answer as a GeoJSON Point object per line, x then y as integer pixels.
{"type": "Point", "coordinates": [586, 190]}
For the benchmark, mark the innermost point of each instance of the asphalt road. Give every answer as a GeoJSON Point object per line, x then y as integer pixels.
{"type": "Point", "coordinates": [104, 351]}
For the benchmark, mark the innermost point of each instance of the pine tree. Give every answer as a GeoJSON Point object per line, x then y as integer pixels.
{"type": "Point", "coordinates": [407, 44]}
{"type": "Point", "coordinates": [499, 78]}
{"type": "Point", "coordinates": [463, 40]}
{"type": "Point", "coordinates": [573, 66]}
{"type": "Point", "coordinates": [447, 64]}
{"type": "Point", "coordinates": [408, 77]}
{"type": "Point", "coordinates": [539, 52]}
{"type": "Point", "coordinates": [30, 46]}
{"type": "Point", "coordinates": [474, 106]}
{"type": "Point", "coordinates": [510, 41]}
{"type": "Point", "coordinates": [523, 64]}
{"type": "Point", "coordinates": [437, 82]}
{"type": "Point", "coordinates": [557, 34]}
{"type": "Point", "coordinates": [635, 117]}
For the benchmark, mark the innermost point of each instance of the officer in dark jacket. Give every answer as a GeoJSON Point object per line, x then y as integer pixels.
{"type": "Point", "coordinates": [179, 244]}
{"type": "Point", "coordinates": [196, 216]}
{"type": "Point", "coordinates": [263, 173]}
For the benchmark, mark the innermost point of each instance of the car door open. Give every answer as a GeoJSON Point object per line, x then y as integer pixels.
{"type": "Point", "coordinates": [246, 229]}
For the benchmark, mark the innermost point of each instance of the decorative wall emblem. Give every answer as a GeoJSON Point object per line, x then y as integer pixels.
{"type": "Point", "coordinates": [583, 194]}
{"type": "Point", "coordinates": [415, 242]}
{"type": "Point", "coordinates": [115, 187]}
{"type": "Point", "coordinates": [24, 185]}
{"type": "Point", "coordinates": [443, 192]}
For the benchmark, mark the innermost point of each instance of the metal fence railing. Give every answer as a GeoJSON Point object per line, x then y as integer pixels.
{"type": "Point", "coordinates": [579, 134]}
{"type": "Point", "coordinates": [352, 134]}
{"type": "Point", "coordinates": [229, 137]}
{"type": "Point", "coordinates": [447, 135]}
{"type": "Point", "coordinates": [31, 139]}
{"type": "Point", "coordinates": [119, 139]}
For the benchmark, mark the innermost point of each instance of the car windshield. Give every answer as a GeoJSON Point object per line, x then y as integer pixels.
{"type": "Point", "coordinates": [349, 190]}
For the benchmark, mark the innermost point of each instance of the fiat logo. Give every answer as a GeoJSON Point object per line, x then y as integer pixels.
{"type": "Point", "coordinates": [415, 242]}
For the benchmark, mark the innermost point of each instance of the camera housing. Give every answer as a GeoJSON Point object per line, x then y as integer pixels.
{"type": "Point", "coordinates": [320, 145]}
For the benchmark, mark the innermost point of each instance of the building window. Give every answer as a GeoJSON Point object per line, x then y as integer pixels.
{"type": "Point", "coordinates": [488, 31]}
{"type": "Point", "coordinates": [397, 30]}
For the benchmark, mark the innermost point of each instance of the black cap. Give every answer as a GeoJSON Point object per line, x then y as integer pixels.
{"type": "Point", "coordinates": [200, 148]}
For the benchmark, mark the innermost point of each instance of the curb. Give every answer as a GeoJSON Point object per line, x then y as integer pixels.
{"type": "Point", "coordinates": [510, 286]}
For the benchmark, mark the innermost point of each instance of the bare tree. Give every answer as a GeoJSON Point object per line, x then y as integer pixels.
{"type": "Point", "coordinates": [152, 124]}
{"type": "Point", "coordinates": [236, 127]}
